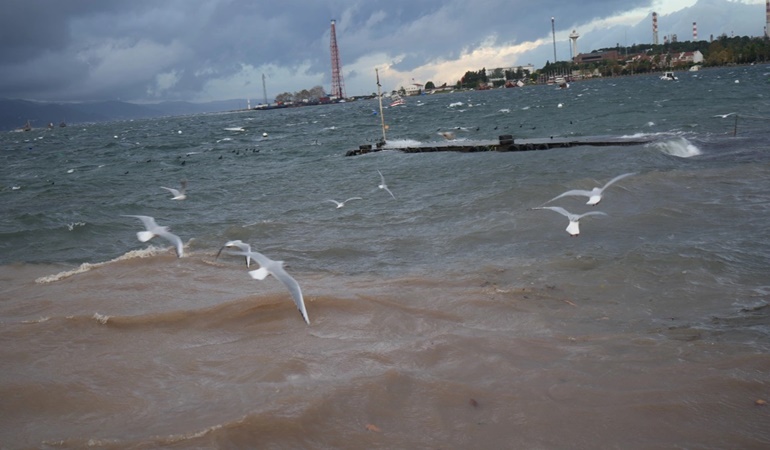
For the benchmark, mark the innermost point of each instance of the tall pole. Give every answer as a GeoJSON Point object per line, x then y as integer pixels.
{"type": "Point", "coordinates": [264, 89]}
{"type": "Point", "coordinates": [338, 86]}
{"type": "Point", "coordinates": [553, 31]}
{"type": "Point", "coordinates": [379, 96]}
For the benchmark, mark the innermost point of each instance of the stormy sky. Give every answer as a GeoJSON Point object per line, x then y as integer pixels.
{"type": "Point", "coordinates": [204, 50]}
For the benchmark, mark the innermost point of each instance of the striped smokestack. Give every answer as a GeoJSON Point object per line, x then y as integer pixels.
{"type": "Point", "coordinates": [695, 31]}
{"type": "Point", "coordinates": [655, 27]}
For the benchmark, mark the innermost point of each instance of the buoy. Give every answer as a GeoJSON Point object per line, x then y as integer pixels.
{"type": "Point", "coordinates": [560, 105]}
{"type": "Point", "coordinates": [264, 134]}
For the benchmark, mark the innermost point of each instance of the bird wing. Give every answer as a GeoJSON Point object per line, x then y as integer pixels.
{"type": "Point", "coordinates": [173, 191]}
{"type": "Point", "coordinates": [149, 222]}
{"type": "Point", "coordinates": [174, 239]}
{"type": "Point", "coordinates": [572, 192]}
{"type": "Point", "coordinates": [240, 244]}
{"type": "Point", "coordinates": [591, 213]}
{"type": "Point", "coordinates": [559, 210]}
{"type": "Point", "coordinates": [335, 202]}
{"type": "Point", "coordinates": [352, 198]}
{"type": "Point", "coordinates": [276, 269]}
{"type": "Point", "coordinates": [294, 289]}
{"type": "Point", "coordinates": [619, 177]}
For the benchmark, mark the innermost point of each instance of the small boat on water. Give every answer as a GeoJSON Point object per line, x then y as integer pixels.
{"type": "Point", "coordinates": [396, 100]}
{"type": "Point", "coordinates": [27, 127]}
{"type": "Point", "coordinates": [669, 76]}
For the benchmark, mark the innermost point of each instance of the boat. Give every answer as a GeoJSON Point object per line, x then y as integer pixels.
{"type": "Point", "coordinates": [669, 76]}
{"type": "Point", "coordinates": [396, 100]}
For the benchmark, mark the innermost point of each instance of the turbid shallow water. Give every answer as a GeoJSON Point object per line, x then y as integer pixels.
{"type": "Point", "coordinates": [453, 316]}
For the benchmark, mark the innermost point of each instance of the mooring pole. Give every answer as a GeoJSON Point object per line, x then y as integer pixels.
{"type": "Point", "coordinates": [379, 96]}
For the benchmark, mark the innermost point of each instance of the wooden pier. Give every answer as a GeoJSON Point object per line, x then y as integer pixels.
{"type": "Point", "coordinates": [505, 143]}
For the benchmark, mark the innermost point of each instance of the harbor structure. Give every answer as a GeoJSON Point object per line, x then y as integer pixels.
{"type": "Point", "coordinates": [767, 18]}
{"type": "Point", "coordinates": [338, 85]}
{"type": "Point", "coordinates": [573, 37]}
{"type": "Point", "coordinates": [553, 32]}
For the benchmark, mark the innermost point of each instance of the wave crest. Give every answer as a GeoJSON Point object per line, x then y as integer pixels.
{"type": "Point", "coordinates": [679, 147]}
{"type": "Point", "coordinates": [85, 267]}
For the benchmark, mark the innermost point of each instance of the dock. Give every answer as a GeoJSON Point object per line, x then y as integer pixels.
{"type": "Point", "coordinates": [505, 143]}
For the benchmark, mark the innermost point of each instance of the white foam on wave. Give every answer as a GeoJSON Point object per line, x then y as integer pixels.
{"type": "Point", "coordinates": [400, 143]}
{"type": "Point", "coordinates": [679, 147]}
{"type": "Point", "coordinates": [101, 318]}
{"type": "Point", "coordinates": [85, 267]}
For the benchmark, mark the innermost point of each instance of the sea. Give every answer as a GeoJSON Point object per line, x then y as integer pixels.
{"type": "Point", "coordinates": [453, 314]}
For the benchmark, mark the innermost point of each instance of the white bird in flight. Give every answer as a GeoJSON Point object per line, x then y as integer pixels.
{"type": "Point", "coordinates": [383, 185]}
{"type": "Point", "coordinates": [178, 194]}
{"type": "Point", "coordinates": [574, 219]}
{"type": "Point", "coordinates": [341, 204]}
{"type": "Point", "coordinates": [275, 268]}
{"type": "Point", "coordinates": [241, 245]}
{"type": "Point", "coordinates": [725, 116]}
{"type": "Point", "coordinates": [153, 229]}
{"type": "Point", "coordinates": [595, 194]}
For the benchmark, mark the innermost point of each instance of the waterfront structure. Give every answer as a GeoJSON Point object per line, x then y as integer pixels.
{"type": "Point", "coordinates": [767, 18]}
{"type": "Point", "coordinates": [574, 37]}
{"type": "Point", "coordinates": [553, 32]}
{"type": "Point", "coordinates": [338, 85]}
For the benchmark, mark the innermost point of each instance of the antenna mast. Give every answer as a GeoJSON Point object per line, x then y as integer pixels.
{"type": "Point", "coordinates": [338, 86]}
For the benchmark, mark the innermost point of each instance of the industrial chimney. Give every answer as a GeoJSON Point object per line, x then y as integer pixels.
{"type": "Point", "coordinates": [655, 27]}
{"type": "Point", "coordinates": [695, 31]}
{"type": "Point", "coordinates": [767, 19]}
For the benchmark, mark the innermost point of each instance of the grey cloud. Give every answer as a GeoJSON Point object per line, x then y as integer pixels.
{"type": "Point", "coordinates": [201, 40]}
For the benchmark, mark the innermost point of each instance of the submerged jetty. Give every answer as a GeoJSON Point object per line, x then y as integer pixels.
{"type": "Point", "coordinates": [505, 143]}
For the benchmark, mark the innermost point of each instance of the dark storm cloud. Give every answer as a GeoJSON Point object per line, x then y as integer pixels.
{"type": "Point", "coordinates": [153, 50]}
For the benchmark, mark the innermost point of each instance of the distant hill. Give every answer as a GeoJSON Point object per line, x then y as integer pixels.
{"type": "Point", "coordinates": [15, 113]}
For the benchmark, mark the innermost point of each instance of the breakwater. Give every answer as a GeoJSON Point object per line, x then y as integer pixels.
{"type": "Point", "coordinates": [505, 143]}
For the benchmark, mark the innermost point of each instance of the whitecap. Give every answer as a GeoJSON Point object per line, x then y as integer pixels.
{"type": "Point", "coordinates": [101, 318]}
{"type": "Point", "coordinates": [400, 143]}
{"type": "Point", "coordinates": [679, 147]}
{"type": "Point", "coordinates": [85, 267]}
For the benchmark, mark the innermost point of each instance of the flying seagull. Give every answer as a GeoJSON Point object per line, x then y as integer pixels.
{"type": "Point", "coordinates": [595, 194]}
{"type": "Point", "coordinates": [275, 268]}
{"type": "Point", "coordinates": [153, 229]}
{"type": "Point", "coordinates": [341, 204]}
{"type": "Point", "coordinates": [241, 245]}
{"type": "Point", "coordinates": [383, 185]}
{"type": "Point", "coordinates": [574, 219]}
{"type": "Point", "coordinates": [177, 194]}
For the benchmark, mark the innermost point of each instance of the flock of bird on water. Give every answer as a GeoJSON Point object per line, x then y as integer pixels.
{"type": "Point", "coordinates": [268, 266]}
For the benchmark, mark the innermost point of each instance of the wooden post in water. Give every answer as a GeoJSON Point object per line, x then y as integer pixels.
{"type": "Point", "coordinates": [379, 96]}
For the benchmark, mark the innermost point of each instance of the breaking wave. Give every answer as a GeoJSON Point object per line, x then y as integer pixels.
{"type": "Point", "coordinates": [85, 267]}
{"type": "Point", "coordinates": [679, 147]}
